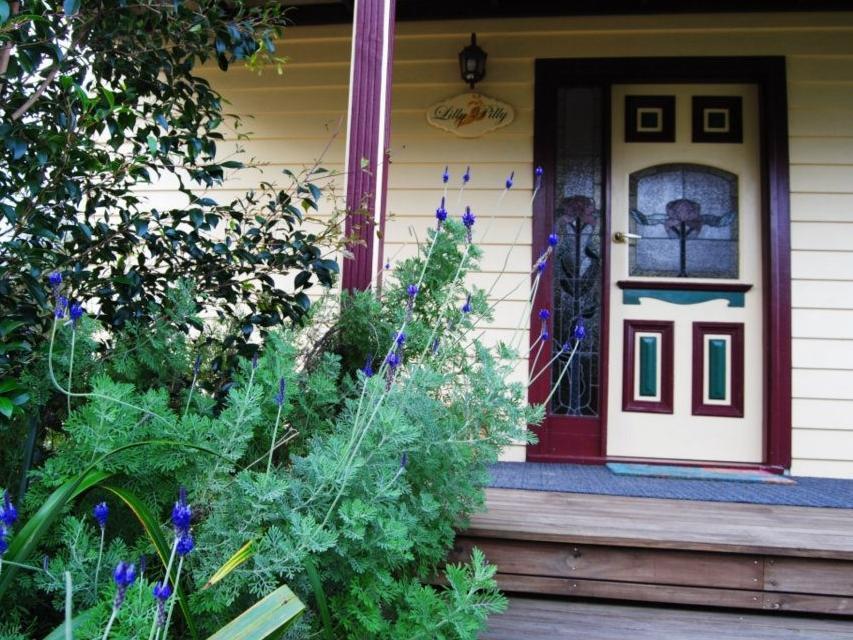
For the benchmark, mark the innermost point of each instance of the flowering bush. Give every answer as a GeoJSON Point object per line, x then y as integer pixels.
{"type": "Point", "coordinates": [340, 461]}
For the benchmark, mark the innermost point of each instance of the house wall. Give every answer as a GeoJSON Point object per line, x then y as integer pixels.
{"type": "Point", "coordinates": [296, 114]}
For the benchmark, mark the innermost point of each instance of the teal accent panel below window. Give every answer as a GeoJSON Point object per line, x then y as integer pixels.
{"type": "Point", "coordinates": [632, 296]}
{"type": "Point", "coordinates": [717, 369]}
{"type": "Point", "coordinates": [648, 366]}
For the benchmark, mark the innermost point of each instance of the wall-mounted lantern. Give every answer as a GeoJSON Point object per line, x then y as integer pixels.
{"type": "Point", "coordinates": [472, 62]}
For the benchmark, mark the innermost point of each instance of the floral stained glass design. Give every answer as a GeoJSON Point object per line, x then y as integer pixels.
{"type": "Point", "coordinates": [577, 255]}
{"type": "Point", "coordinates": [687, 217]}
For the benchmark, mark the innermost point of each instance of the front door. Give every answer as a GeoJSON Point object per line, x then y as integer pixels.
{"type": "Point", "coordinates": [663, 216]}
{"type": "Point", "coordinates": [686, 353]}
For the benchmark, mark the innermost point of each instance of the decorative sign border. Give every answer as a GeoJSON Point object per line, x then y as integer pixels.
{"type": "Point", "coordinates": [470, 115]}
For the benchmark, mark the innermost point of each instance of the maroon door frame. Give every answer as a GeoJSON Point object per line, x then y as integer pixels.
{"type": "Point", "coordinates": [566, 439]}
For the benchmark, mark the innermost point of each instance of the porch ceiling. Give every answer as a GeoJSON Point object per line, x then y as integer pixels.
{"type": "Point", "coordinates": [305, 12]}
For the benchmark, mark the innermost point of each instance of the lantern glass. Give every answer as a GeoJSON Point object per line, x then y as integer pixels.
{"type": "Point", "coordinates": [472, 62]}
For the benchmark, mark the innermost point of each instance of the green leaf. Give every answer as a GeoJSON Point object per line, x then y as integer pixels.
{"type": "Point", "coordinates": [320, 597]}
{"type": "Point", "coordinates": [274, 613]}
{"type": "Point", "coordinates": [240, 556]}
{"type": "Point", "coordinates": [152, 529]}
{"type": "Point", "coordinates": [153, 145]}
{"type": "Point", "coordinates": [6, 407]}
{"type": "Point", "coordinates": [9, 384]}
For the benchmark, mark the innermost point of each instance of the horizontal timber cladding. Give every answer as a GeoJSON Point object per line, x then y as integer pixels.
{"type": "Point", "coordinates": [300, 112]}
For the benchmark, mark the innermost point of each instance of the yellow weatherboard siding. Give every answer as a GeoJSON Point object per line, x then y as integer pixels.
{"type": "Point", "coordinates": [295, 113]}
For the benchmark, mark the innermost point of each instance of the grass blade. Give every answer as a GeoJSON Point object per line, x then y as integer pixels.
{"type": "Point", "coordinates": [240, 556]}
{"type": "Point", "coordinates": [320, 597]}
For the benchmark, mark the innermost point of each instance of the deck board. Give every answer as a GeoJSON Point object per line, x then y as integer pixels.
{"type": "Point", "coordinates": [532, 619]}
{"type": "Point", "coordinates": [806, 532]}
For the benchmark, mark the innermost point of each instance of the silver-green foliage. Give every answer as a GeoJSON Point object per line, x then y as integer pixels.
{"type": "Point", "coordinates": [376, 473]}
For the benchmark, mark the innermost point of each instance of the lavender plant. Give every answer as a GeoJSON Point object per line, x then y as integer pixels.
{"type": "Point", "coordinates": [340, 461]}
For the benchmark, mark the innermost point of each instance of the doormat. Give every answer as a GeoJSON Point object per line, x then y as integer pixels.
{"type": "Point", "coordinates": [598, 479]}
{"type": "Point", "coordinates": [697, 473]}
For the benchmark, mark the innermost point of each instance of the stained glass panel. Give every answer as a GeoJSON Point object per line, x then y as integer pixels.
{"type": "Point", "coordinates": [577, 257]}
{"type": "Point", "coordinates": [687, 217]}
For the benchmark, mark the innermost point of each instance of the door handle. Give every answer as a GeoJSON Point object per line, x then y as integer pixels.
{"type": "Point", "coordinates": [624, 236]}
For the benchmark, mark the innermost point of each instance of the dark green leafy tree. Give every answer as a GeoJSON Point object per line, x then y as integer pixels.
{"type": "Point", "coordinates": [99, 98]}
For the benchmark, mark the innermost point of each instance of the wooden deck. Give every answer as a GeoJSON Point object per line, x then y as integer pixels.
{"type": "Point", "coordinates": [667, 551]}
{"type": "Point", "coordinates": [531, 619]}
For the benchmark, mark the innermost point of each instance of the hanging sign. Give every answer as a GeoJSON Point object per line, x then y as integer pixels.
{"type": "Point", "coordinates": [470, 115]}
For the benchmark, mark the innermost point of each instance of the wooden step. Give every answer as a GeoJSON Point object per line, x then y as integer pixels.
{"type": "Point", "coordinates": [537, 619]}
{"type": "Point", "coordinates": [667, 551]}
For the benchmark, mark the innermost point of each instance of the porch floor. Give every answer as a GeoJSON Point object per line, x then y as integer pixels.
{"type": "Point", "coordinates": [732, 555]}
{"type": "Point", "coordinates": [598, 479]}
{"type": "Point", "coordinates": [533, 619]}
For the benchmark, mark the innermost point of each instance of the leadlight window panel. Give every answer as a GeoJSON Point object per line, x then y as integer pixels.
{"type": "Point", "coordinates": [687, 217]}
{"type": "Point", "coordinates": [577, 256]}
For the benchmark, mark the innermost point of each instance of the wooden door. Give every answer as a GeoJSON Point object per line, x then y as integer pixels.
{"type": "Point", "coordinates": [686, 360]}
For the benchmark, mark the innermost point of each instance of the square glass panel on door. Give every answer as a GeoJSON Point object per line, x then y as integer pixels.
{"type": "Point", "coordinates": [686, 310]}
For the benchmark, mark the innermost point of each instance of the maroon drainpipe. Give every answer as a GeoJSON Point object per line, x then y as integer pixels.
{"type": "Point", "coordinates": [368, 135]}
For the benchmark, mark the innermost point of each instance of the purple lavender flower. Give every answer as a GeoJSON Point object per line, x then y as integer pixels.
{"type": "Point", "coordinates": [435, 344]}
{"type": "Point", "coordinates": [539, 171]}
{"type": "Point", "coordinates": [197, 366]}
{"type": "Point", "coordinates": [545, 335]}
{"type": "Point", "coordinates": [162, 592]}
{"type": "Point", "coordinates": [542, 262]}
{"type": "Point", "coordinates": [468, 219]}
{"type": "Point", "coordinates": [282, 392]}
{"type": "Point", "coordinates": [509, 180]}
{"type": "Point", "coordinates": [182, 513]}
{"type": "Point", "coordinates": [553, 239]}
{"type": "Point", "coordinates": [400, 340]}
{"type": "Point", "coordinates": [254, 361]}
{"type": "Point", "coordinates": [565, 348]}
{"type": "Point", "coordinates": [367, 369]}
{"type": "Point", "coordinates": [8, 514]}
{"type": "Point", "coordinates": [393, 360]}
{"type": "Point", "coordinates": [75, 313]}
{"type": "Point", "coordinates": [544, 314]}
{"type": "Point", "coordinates": [579, 332]}
{"type": "Point", "coordinates": [387, 266]}
{"type": "Point", "coordinates": [412, 290]}
{"type": "Point", "coordinates": [124, 576]}
{"type": "Point", "coordinates": [445, 177]}
{"type": "Point", "coordinates": [441, 214]}
{"type": "Point", "coordinates": [101, 512]}
{"type": "Point", "coordinates": [466, 176]}
{"type": "Point", "coordinates": [4, 540]}
{"type": "Point", "coordinates": [55, 280]}
{"type": "Point", "coordinates": [185, 544]}
{"type": "Point", "coordinates": [466, 308]}
{"type": "Point", "coordinates": [61, 306]}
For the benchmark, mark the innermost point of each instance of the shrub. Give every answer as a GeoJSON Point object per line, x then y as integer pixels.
{"type": "Point", "coordinates": [97, 100]}
{"type": "Point", "coordinates": [345, 462]}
